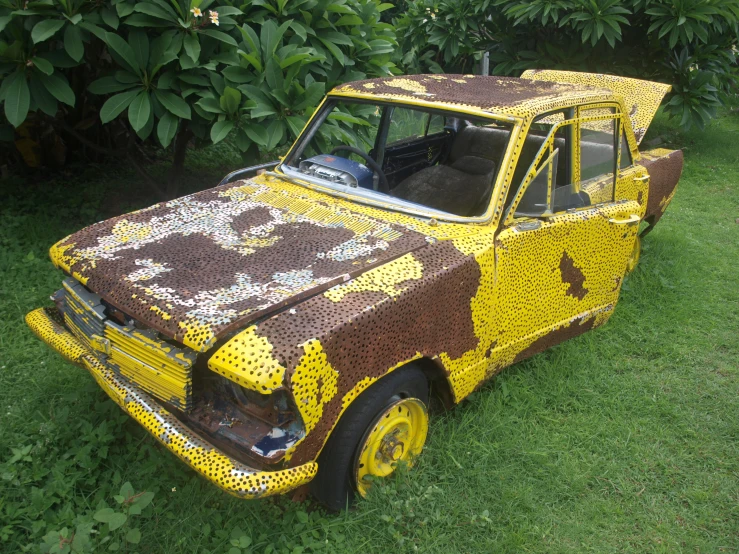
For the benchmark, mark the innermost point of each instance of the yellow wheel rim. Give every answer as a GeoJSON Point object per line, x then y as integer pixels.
{"type": "Point", "coordinates": [635, 255]}
{"type": "Point", "coordinates": [398, 435]}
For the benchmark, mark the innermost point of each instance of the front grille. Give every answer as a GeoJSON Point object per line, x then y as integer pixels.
{"type": "Point", "coordinates": [160, 368]}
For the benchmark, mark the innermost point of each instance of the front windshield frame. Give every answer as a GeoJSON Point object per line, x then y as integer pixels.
{"type": "Point", "coordinates": [381, 200]}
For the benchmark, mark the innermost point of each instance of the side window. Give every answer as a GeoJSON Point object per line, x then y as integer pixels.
{"type": "Point", "coordinates": [535, 139]}
{"type": "Point", "coordinates": [435, 124]}
{"type": "Point", "coordinates": [626, 160]}
{"type": "Point", "coordinates": [551, 188]}
{"type": "Point", "coordinates": [407, 125]}
{"type": "Point", "coordinates": [597, 144]}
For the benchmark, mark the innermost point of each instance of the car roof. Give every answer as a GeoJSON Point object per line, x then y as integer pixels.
{"type": "Point", "coordinates": [507, 96]}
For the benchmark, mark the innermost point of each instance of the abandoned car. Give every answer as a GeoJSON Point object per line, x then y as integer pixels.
{"type": "Point", "coordinates": [284, 329]}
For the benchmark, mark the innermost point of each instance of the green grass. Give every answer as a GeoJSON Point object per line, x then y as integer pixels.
{"type": "Point", "coordinates": [624, 439]}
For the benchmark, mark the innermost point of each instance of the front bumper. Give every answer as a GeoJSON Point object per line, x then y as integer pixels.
{"type": "Point", "coordinates": [229, 474]}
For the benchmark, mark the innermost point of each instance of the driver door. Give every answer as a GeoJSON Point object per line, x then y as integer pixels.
{"type": "Point", "coordinates": [561, 256]}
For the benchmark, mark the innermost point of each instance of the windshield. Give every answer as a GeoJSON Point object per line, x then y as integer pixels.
{"type": "Point", "coordinates": [408, 156]}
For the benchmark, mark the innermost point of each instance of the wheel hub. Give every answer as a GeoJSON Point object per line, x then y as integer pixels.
{"type": "Point", "coordinates": [397, 435]}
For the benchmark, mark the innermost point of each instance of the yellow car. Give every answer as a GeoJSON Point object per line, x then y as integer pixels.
{"type": "Point", "coordinates": [284, 330]}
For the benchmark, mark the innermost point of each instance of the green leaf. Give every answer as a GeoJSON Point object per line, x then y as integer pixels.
{"type": "Point", "coordinates": [337, 7]}
{"type": "Point", "coordinates": [219, 35]}
{"type": "Point", "coordinates": [257, 133]}
{"type": "Point", "coordinates": [110, 18]}
{"type": "Point", "coordinates": [237, 74]}
{"type": "Point", "coordinates": [192, 47]}
{"type": "Point", "coordinates": [230, 100]}
{"type": "Point", "coordinates": [45, 29]}
{"type": "Point", "coordinates": [228, 10]}
{"type": "Point", "coordinates": [116, 104]}
{"type": "Point", "coordinates": [4, 21]}
{"type": "Point", "coordinates": [313, 94]}
{"type": "Point", "coordinates": [252, 59]}
{"type": "Point", "coordinates": [299, 30]}
{"type": "Point", "coordinates": [99, 32]}
{"type": "Point", "coordinates": [73, 42]}
{"type": "Point", "coordinates": [139, 111]}
{"type": "Point", "coordinates": [262, 109]}
{"type": "Point", "coordinates": [274, 75]}
{"type": "Point", "coordinates": [143, 20]}
{"type": "Point", "coordinates": [43, 98]}
{"type": "Point", "coordinates": [251, 39]}
{"type": "Point", "coordinates": [44, 66]}
{"type": "Point", "coordinates": [350, 20]}
{"type": "Point", "coordinates": [17, 99]}
{"type": "Point", "coordinates": [220, 130]}
{"type": "Point", "coordinates": [173, 103]}
{"type": "Point", "coordinates": [275, 134]}
{"type": "Point", "coordinates": [76, 18]}
{"type": "Point", "coordinates": [335, 51]}
{"type": "Point", "coordinates": [58, 86]}
{"type": "Point", "coordinates": [103, 515]}
{"type": "Point", "coordinates": [166, 79]}
{"type": "Point", "coordinates": [117, 520]}
{"type": "Point", "coordinates": [106, 85]}
{"type": "Point", "coordinates": [143, 134]}
{"type": "Point", "coordinates": [210, 105]}
{"type": "Point", "coordinates": [296, 124]}
{"type": "Point", "coordinates": [154, 10]}
{"type": "Point", "coordinates": [194, 79]}
{"type": "Point", "coordinates": [186, 61]}
{"type": "Point", "coordinates": [133, 536]}
{"type": "Point", "coordinates": [271, 35]}
{"type": "Point", "coordinates": [123, 9]}
{"type": "Point", "coordinates": [339, 38]}
{"type": "Point", "coordinates": [122, 48]}
{"type": "Point", "coordinates": [218, 82]}
{"type": "Point", "coordinates": [139, 43]}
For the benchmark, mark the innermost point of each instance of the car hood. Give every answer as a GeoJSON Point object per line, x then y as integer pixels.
{"type": "Point", "coordinates": [199, 266]}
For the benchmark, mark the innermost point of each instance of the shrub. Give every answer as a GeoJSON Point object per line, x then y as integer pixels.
{"type": "Point", "coordinates": [688, 43]}
{"type": "Point", "coordinates": [115, 75]}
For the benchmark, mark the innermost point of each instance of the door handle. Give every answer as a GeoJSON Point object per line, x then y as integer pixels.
{"type": "Point", "coordinates": [631, 220]}
{"type": "Point", "coordinates": [642, 178]}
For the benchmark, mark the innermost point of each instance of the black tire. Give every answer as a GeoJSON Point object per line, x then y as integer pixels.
{"type": "Point", "coordinates": [334, 485]}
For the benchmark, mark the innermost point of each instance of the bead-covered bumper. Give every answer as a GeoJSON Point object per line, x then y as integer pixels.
{"type": "Point", "coordinates": [226, 472]}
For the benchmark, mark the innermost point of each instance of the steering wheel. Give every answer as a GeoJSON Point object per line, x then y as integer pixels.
{"type": "Point", "coordinates": [373, 165]}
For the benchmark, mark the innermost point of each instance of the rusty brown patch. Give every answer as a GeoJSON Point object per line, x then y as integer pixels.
{"type": "Point", "coordinates": [572, 275]}
{"type": "Point", "coordinates": [555, 337]}
{"type": "Point", "coordinates": [664, 173]}
{"type": "Point", "coordinates": [471, 90]}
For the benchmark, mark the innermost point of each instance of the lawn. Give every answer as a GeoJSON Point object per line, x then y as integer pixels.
{"type": "Point", "coordinates": [624, 439]}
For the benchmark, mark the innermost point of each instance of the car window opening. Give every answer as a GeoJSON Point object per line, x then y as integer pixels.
{"type": "Point", "coordinates": [407, 156]}
{"type": "Point", "coordinates": [555, 187]}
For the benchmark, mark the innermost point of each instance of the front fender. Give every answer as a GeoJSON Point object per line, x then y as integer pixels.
{"type": "Point", "coordinates": [329, 348]}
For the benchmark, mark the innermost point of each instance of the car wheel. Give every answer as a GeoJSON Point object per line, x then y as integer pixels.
{"type": "Point", "coordinates": [385, 425]}
{"type": "Point", "coordinates": [634, 256]}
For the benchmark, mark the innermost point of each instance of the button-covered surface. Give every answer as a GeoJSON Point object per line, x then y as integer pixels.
{"type": "Point", "coordinates": [195, 267]}
{"type": "Point", "coordinates": [226, 472]}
